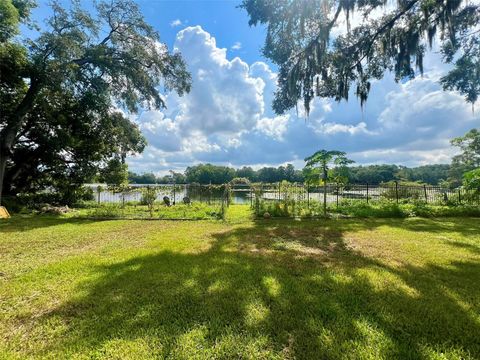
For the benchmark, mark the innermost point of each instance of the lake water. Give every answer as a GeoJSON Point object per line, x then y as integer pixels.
{"type": "Point", "coordinates": [240, 195]}
{"type": "Point", "coordinates": [195, 193]}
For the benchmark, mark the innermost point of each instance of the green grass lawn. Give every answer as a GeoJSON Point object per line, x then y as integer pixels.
{"type": "Point", "coordinates": [281, 289]}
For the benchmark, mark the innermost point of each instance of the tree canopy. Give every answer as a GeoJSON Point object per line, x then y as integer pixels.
{"type": "Point", "coordinates": [321, 52]}
{"type": "Point", "coordinates": [468, 158]}
{"type": "Point", "coordinates": [115, 174]}
{"type": "Point", "coordinates": [363, 174]}
{"type": "Point", "coordinates": [469, 145]}
{"type": "Point", "coordinates": [208, 173]}
{"type": "Point", "coordinates": [323, 160]}
{"type": "Point", "coordinates": [217, 174]}
{"type": "Point", "coordinates": [471, 180]}
{"type": "Point", "coordinates": [64, 94]}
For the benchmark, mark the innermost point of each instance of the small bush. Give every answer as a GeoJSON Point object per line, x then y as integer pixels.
{"type": "Point", "coordinates": [149, 195]}
{"type": "Point", "coordinates": [106, 211]}
{"type": "Point", "coordinates": [410, 193]}
{"type": "Point", "coordinates": [446, 211]}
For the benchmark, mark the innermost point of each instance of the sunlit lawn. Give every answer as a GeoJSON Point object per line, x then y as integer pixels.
{"type": "Point", "coordinates": [312, 289]}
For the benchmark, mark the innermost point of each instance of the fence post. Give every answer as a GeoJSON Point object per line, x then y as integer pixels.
{"type": "Point", "coordinates": [367, 193]}
{"type": "Point", "coordinates": [396, 190]}
{"type": "Point", "coordinates": [98, 194]}
{"type": "Point", "coordinates": [251, 197]}
{"type": "Point", "coordinates": [459, 197]}
{"type": "Point", "coordinates": [308, 196]}
{"type": "Point", "coordinates": [222, 208]}
{"type": "Point", "coordinates": [257, 199]}
{"type": "Point", "coordinates": [425, 191]}
{"type": "Point", "coordinates": [210, 193]}
{"type": "Point", "coordinates": [174, 193]}
{"type": "Point", "coordinates": [338, 190]}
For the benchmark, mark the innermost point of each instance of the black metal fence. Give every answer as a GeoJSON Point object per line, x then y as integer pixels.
{"type": "Point", "coordinates": [334, 193]}
{"type": "Point", "coordinates": [217, 198]}
{"type": "Point", "coordinates": [176, 193]}
{"type": "Point", "coordinates": [186, 201]}
{"type": "Point", "coordinates": [189, 201]}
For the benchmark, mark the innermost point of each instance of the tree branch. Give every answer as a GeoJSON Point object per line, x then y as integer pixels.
{"type": "Point", "coordinates": [384, 27]}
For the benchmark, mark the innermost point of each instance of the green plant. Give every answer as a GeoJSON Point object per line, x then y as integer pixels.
{"type": "Point", "coordinates": [362, 209]}
{"type": "Point", "coordinates": [149, 195]}
{"type": "Point", "coordinates": [394, 191]}
{"type": "Point", "coordinates": [114, 174]}
{"type": "Point", "coordinates": [108, 210]}
{"type": "Point", "coordinates": [471, 180]}
{"type": "Point", "coordinates": [322, 160]}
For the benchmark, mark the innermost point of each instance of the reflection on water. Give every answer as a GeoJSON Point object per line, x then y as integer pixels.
{"type": "Point", "coordinates": [240, 197]}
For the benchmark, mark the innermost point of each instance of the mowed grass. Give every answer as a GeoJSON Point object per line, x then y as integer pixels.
{"type": "Point", "coordinates": [267, 289]}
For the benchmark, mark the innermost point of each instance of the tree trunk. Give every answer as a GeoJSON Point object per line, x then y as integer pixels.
{"type": "Point", "coordinates": [7, 138]}
{"type": "Point", "coordinates": [9, 133]}
{"type": "Point", "coordinates": [3, 167]}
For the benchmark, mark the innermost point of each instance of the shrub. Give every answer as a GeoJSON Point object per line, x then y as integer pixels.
{"type": "Point", "coordinates": [446, 211]}
{"type": "Point", "coordinates": [471, 180]}
{"type": "Point", "coordinates": [108, 210]}
{"type": "Point", "coordinates": [149, 195]}
{"type": "Point", "coordinates": [413, 193]}
{"type": "Point", "coordinates": [362, 209]}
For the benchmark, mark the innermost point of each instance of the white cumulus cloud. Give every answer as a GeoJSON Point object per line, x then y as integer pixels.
{"type": "Point", "coordinates": [236, 46]}
{"type": "Point", "coordinates": [274, 127]}
{"type": "Point", "coordinates": [175, 23]}
{"type": "Point", "coordinates": [227, 117]}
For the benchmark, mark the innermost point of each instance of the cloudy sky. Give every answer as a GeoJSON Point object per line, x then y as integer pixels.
{"type": "Point", "coordinates": [227, 117]}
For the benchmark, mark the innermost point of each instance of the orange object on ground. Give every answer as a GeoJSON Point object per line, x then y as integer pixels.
{"type": "Point", "coordinates": [4, 213]}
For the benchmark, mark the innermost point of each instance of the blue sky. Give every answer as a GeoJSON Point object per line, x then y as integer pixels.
{"type": "Point", "coordinates": [222, 19]}
{"type": "Point", "coordinates": [227, 118]}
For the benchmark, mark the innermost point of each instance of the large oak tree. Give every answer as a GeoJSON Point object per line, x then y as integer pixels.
{"type": "Point", "coordinates": [61, 93]}
{"type": "Point", "coordinates": [321, 52]}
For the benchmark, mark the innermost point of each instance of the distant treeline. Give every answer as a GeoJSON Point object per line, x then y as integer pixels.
{"type": "Point", "coordinates": [371, 174]}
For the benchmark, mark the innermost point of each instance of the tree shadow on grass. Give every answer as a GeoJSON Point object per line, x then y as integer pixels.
{"type": "Point", "coordinates": [244, 297]}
